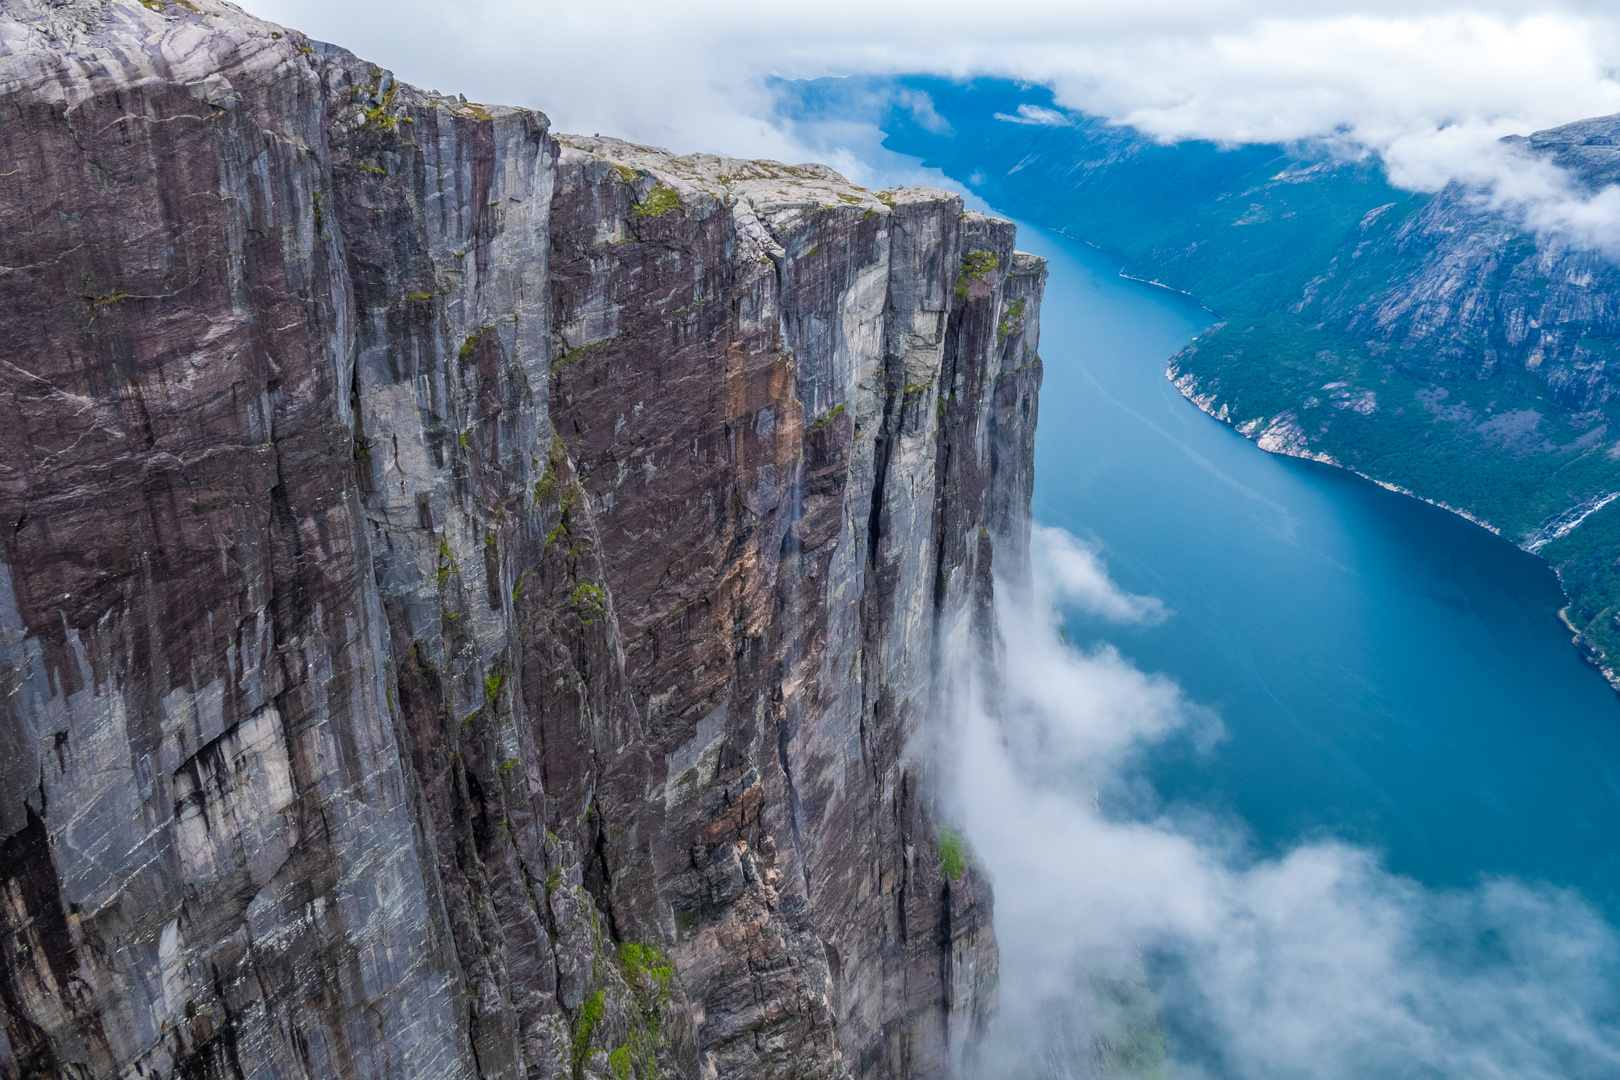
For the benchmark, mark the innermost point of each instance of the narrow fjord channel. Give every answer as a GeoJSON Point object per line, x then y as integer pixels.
{"type": "Point", "coordinates": [1386, 673]}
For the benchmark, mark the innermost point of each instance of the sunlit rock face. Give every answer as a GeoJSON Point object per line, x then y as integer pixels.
{"type": "Point", "coordinates": [477, 602]}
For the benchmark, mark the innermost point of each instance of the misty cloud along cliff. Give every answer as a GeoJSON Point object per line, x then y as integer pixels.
{"type": "Point", "coordinates": [1319, 963]}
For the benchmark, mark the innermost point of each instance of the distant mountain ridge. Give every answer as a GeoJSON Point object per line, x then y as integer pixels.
{"type": "Point", "coordinates": [1428, 342]}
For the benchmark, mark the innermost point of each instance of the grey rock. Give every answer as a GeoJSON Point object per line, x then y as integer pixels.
{"type": "Point", "coordinates": [474, 604]}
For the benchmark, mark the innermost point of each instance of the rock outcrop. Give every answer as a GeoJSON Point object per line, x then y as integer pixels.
{"type": "Point", "coordinates": [476, 602]}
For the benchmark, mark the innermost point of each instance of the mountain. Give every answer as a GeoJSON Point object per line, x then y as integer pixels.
{"type": "Point", "coordinates": [475, 601]}
{"type": "Point", "coordinates": [1430, 342]}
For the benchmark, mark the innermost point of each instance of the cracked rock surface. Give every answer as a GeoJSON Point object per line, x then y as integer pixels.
{"type": "Point", "coordinates": [477, 602]}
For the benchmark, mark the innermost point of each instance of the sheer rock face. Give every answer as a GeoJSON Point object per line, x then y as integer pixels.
{"type": "Point", "coordinates": [1463, 290]}
{"type": "Point", "coordinates": [475, 604]}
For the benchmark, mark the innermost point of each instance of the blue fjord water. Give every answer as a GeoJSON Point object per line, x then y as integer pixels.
{"type": "Point", "coordinates": [1386, 672]}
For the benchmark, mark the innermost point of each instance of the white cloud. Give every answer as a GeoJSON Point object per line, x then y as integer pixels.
{"type": "Point", "coordinates": [1431, 95]}
{"type": "Point", "coordinates": [1076, 576]}
{"type": "Point", "coordinates": [1430, 86]}
{"type": "Point", "coordinates": [1372, 80]}
{"type": "Point", "coordinates": [1316, 965]}
{"type": "Point", "coordinates": [1037, 114]}
{"type": "Point", "coordinates": [1088, 710]}
{"type": "Point", "coordinates": [1263, 70]}
{"type": "Point", "coordinates": [921, 107]}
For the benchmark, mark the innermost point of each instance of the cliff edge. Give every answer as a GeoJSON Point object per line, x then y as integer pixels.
{"type": "Point", "coordinates": [477, 602]}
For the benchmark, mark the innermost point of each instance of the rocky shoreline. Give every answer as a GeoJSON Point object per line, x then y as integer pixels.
{"type": "Point", "coordinates": [1298, 446]}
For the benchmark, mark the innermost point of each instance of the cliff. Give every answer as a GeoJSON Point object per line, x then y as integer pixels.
{"type": "Point", "coordinates": [477, 602]}
{"type": "Point", "coordinates": [1434, 343]}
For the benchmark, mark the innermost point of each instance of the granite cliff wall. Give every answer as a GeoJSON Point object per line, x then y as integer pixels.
{"type": "Point", "coordinates": [476, 602]}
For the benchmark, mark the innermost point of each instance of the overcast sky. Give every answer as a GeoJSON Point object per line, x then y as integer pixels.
{"type": "Point", "coordinates": [687, 75]}
{"type": "Point", "coordinates": [1430, 87]}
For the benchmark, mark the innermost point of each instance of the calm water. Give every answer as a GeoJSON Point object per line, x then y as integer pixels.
{"type": "Point", "coordinates": [1386, 672]}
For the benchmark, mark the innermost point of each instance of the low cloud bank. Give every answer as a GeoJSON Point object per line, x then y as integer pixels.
{"type": "Point", "coordinates": [1429, 87]}
{"type": "Point", "coordinates": [1431, 95]}
{"type": "Point", "coordinates": [1073, 574]}
{"type": "Point", "coordinates": [1319, 965]}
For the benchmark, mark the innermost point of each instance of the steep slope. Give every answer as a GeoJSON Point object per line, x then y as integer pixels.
{"type": "Point", "coordinates": [1432, 343]}
{"type": "Point", "coordinates": [475, 603]}
{"type": "Point", "coordinates": [1446, 350]}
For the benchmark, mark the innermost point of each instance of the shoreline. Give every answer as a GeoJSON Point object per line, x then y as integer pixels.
{"type": "Point", "coordinates": [1253, 432]}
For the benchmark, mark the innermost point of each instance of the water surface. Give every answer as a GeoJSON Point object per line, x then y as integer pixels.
{"type": "Point", "coordinates": [1386, 672]}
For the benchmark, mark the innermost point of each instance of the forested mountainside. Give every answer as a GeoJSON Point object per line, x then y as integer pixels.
{"type": "Point", "coordinates": [1426, 341]}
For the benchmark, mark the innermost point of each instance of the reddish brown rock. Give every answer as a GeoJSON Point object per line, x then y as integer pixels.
{"type": "Point", "coordinates": [475, 604]}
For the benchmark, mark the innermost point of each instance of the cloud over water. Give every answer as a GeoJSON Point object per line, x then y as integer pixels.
{"type": "Point", "coordinates": [1429, 87]}
{"type": "Point", "coordinates": [1317, 964]}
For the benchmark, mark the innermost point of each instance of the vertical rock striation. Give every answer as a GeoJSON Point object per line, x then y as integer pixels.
{"type": "Point", "coordinates": [476, 603]}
